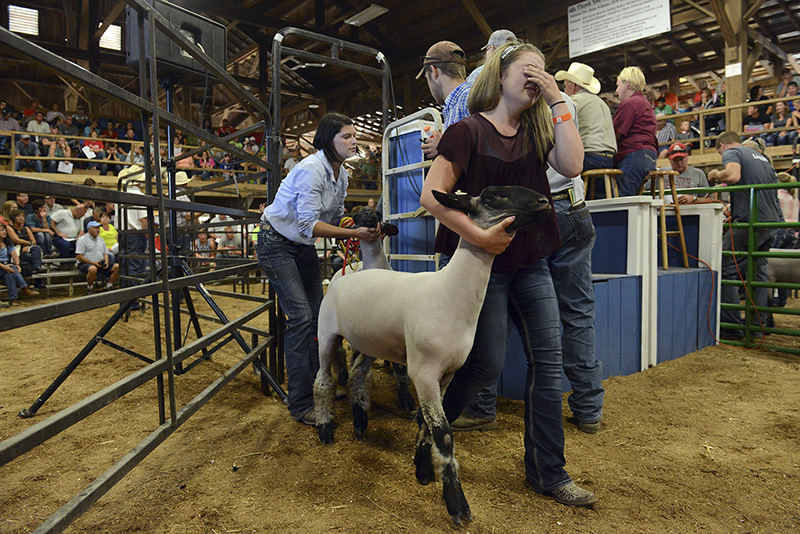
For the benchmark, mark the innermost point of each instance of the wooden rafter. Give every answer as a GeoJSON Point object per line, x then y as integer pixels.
{"type": "Point", "coordinates": [789, 14]}
{"type": "Point", "coordinates": [755, 6]}
{"type": "Point", "coordinates": [110, 18]}
{"type": "Point", "coordinates": [703, 36]}
{"type": "Point", "coordinates": [724, 23]}
{"type": "Point", "coordinates": [682, 47]}
{"type": "Point", "coordinates": [774, 48]}
{"type": "Point", "coordinates": [701, 8]}
{"type": "Point", "coordinates": [477, 16]}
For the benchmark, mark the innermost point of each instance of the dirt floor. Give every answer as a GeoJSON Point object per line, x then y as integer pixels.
{"type": "Point", "coordinates": [708, 442]}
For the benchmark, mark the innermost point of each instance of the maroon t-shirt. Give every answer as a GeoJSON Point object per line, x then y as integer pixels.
{"type": "Point", "coordinates": [635, 126]}
{"type": "Point", "coordinates": [490, 158]}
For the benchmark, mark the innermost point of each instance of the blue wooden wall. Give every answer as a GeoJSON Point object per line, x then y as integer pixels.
{"type": "Point", "coordinates": [683, 312]}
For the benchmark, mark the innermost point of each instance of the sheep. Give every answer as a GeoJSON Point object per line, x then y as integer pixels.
{"type": "Point", "coordinates": [783, 269]}
{"type": "Point", "coordinates": [398, 315]}
{"type": "Point", "coordinates": [373, 257]}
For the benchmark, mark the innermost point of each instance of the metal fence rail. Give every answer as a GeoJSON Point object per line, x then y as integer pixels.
{"type": "Point", "coordinates": [753, 318]}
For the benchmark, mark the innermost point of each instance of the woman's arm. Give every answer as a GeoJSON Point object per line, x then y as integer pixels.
{"type": "Point", "coordinates": [566, 156]}
{"type": "Point", "coordinates": [443, 176]}
{"type": "Point", "coordinates": [15, 237]}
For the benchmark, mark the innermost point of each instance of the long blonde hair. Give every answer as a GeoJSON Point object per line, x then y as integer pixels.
{"type": "Point", "coordinates": [536, 121]}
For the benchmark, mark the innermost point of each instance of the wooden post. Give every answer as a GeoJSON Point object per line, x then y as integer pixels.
{"type": "Point", "coordinates": [736, 54]}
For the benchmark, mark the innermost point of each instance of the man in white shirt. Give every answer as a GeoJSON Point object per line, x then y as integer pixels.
{"type": "Point", "coordinates": [38, 125]}
{"type": "Point", "coordinates": [94, 259]}
{"type": "Point", "coordinates": [230, 243]}
{"type": "Point", "coordinates": [69, 228]}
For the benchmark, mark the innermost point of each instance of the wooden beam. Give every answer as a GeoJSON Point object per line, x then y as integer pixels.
{"type": "Point", "coordinates": [703, 37]}
{"type": "Point", "coordinates": [724, 22]}
{"type": "Point", "coordinates": [701, 8]}
{"type": "Point", "coordinates": [692, 81]}
{"type": "Point", "coordinates": [23, 91]}
{"type": "Point", "coordinates": [680, 46]}
{"type": "Point", "coordinates": [789, 14]}
{"type": "Point", "coordinates": [767, 43]}
{"type": "Point", "coordinates": [553, 55]}
{"type": "Point", "coordinates": [752, 58]}
{"type": "Point", "coordinates": [755, 6]}
{"type": "Point", "coordinates": [74, 90]}
{"type": "Point", "coordinates": [110, 18]}
{"type": "Point", "coordinates": [477, 16]}
{"type": "Point", "coordinates": [658, 54]}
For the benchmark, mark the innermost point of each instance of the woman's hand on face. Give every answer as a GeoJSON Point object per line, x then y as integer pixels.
{"type": "Point", "coordinates": [547, 84]}
{"type": "Point", "coordinates": [367, 234]}
{"type": "Point", "coordinates": [495, 239]}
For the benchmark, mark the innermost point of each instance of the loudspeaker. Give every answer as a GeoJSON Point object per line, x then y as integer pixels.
{"type": "Point", "coordinates": [174, 62]}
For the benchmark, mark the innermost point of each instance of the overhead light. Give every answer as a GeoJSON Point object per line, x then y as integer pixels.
{"type": "Point", "coordinates": [313, 106]}
{"type": "Point", "coordinates": [362, 17]}
{"type": "Point", "coordinates": [308, 65]}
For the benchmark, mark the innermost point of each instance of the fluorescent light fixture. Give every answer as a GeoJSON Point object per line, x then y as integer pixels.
{"type": "Point", "coordinates": [313, 106]}
{"type": "Point", "coordinates": [365, 15]}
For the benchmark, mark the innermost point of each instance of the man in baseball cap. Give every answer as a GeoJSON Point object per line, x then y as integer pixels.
{"type": "Point", "coordinates": [444, 67]}
{"type": "Point", "coordinates": [497, 39]}
{"type": "Point", "coordinates": [688, 176]}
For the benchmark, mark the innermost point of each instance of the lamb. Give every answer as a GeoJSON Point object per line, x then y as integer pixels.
{"type": "Point", "coordinates": [397, 315]}
{"type": "Point", "coordinates": [784, 269]}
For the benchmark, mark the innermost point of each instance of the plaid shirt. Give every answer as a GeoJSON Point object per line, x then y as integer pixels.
{"type": "Point", "coordinates": [455, 105]}
{"type": "Point", "coordinates": [666, 134]}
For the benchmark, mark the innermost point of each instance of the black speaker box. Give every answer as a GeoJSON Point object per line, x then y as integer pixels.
{"type": "Point", "coordinates": [174, 62]}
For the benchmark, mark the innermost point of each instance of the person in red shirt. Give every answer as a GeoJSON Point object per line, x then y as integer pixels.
{"type": "Point", "coordinates": [109, 132]}
{"type": "Point", "coordinates": [225, 128]}
{"type": "Point", "coordinates": [635, 127]}
{"type": "Point", "coordinates": [96, 146]}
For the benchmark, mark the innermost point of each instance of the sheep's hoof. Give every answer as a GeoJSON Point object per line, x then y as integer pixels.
{"type": "Point", "coordinates": [424, 464]}
{"type": "Point", "coordinates": [325, 431]}
{"type": "Point", "coordinates": [359, 421]}
{"type": "Point", "coordinates": [456, 503]}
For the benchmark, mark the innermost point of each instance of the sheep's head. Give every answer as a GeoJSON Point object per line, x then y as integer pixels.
{"type": "Point", "coordinates": [495, 203]}
{"type": "Point", "coordinates": [367, 217]}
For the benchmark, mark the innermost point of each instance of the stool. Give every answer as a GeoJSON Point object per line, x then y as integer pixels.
{"type": "Point", "coordinates": [658, 177]}
{"type": "Point", "coordinates": [609, 178]}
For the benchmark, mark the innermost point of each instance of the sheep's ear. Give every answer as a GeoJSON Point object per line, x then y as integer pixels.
{"type": "Point", "coordinates": [389, 229]}
{"type": "Point", "coordinates": [459, 202]}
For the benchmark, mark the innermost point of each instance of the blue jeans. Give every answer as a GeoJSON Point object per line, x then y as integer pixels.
{"type": "Point", "coordinates": [293, 271]}
{"type": "Point", "coordinates": [571, 269]}
{"type": "Point", "coordinates": [66, 249]}
{"type": "Point", "coordinates": [35, 164]}
{"type": "Point", "coordinates": [635, 167]}
{"type": "Point", "coordinates": [730, 294]}
{"type": "Point", "coordinates": [13, 282]}
{"type": "Point", "coordinates": [528, 298]}
{"type": "Point", "coordinates": [597, 161]}
{"type": "Point", "coordinates": [45, 242]}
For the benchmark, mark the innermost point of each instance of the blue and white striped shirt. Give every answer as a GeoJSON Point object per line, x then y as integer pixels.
{"type": "Point", "coordinates": [307, 195]}
{"type": "Point", "coordinates": [455, 105]}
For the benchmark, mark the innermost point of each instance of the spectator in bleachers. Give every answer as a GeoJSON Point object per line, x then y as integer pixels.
{"type": "Point", "coordinates": [93, 126]}
{"type": "Point", "coordinates": [8, 124]}
{"type": "Point", "coordinates": [68, 228]}
{"type": "Point", "coordinates": [80, 118]}
{"type": "Point", "coordinates": [204, 247]}
{"type": "Point", "coordinates": [37, 125]}
{"type": "Point", "coordinates": [670, 99]}
{"type": "Point", "coordinates": [109, 233]}
{"type": "Point", "coordinates": [792, 91]}
{"type": "Point", "coordinates": [97, 146]}
{"type": "Point", "coordinates": [26, 147]}
{"type": "Point", "coordinates": [112, 154]}
{"type": "Point", "coordinates": [23, 204]}
{"type": "Point", "coordinates": [635, 127]}
{"type": "Point", "coordinates": [230, 243]}
{"type": "Point", "coordinates": [665, 135]}
{"type": "Point", "coordinates": [662, 108]}
{"type": "Point", "coordinates": [688, 176]}
{"type": "Point", "coordinates": [69, 128]}
{"type": "Point", "coordinates": [205, 161]}
{"type": "Point", "coordinates": [755, 120]}
{"type": "Point", "coordinates": [225, 128]}
{"type": "Point", "coordinates": [756, 94]}
{"type": "Point", "coordinates": [29, 252]}
{"type": "Point", "coordinates": [787, 75]}
{"type": "Point", "coordinates": [5, 212]}
{"type": "Point", "coordinates": [12, 272]}
{"type": "Point", "coordinates": [136, 155]}
{"type": "Point", "coordinates": [207, 126]}
{"type": "Point", "coordinates": [780, 119]}
{"type": "Point", "coordinates": [227, 165]}
{"type": "Point", "coordinates": [109, 132]}
{"type": "Point", "coordinates": [94, 259]}
{"type": "Point", "coordinates": [51, 205]}
{"type": "Point", "coordinates": [42, 227]}
{"type": "Point", "coordinates": [47, 141]}
{"type": "Point", "coordinates": [30, 110]}
{"type": "Point", "coordinates": [125, 145]}
{"type": "Point", "coordinates": [54, 113]}
{"type": "Point", "coordinates": [94, 215]}
{"type": "Point", "coordinates": [59, 149]}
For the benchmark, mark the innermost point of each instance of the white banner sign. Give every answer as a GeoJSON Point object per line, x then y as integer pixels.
{"type": "Point", "coordinates": [599, 24]}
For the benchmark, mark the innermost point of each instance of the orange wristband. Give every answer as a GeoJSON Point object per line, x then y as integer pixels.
{"type": "Point", "coordinates": [562, 118]}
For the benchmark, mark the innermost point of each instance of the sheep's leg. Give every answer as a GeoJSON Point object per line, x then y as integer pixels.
{"type": "Point", "coordinates": [406, 401]}
{"type": "Point", "coordinates": [325, 387]}
{"type": "Point", "coordinates": [342, 375]}
{"type": "Point", "coordinates": [423, 461]}
{"type": "Point", "coordinates": [359, 392]}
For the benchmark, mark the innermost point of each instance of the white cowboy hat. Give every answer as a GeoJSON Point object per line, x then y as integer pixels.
{"type": "Point", "coordinates": [180, 177]}
{"type": "Point", "coordinates": [582, 75]}
{"type": "Point", "coordinates": [136, 170]}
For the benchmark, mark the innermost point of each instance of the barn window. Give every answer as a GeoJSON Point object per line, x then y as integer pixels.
{"type": "Point", "coordinates": [112, 37]}
{"type": "Point", "coordinates": [23, 20]}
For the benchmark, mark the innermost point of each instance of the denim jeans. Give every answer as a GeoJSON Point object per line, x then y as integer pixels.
{"type": "Point", "coordinates": [597, 161]}
{"type": "Point", "coordinates": [66, 249]}
{"type": "Point", "coordinates": [293, 271]}
{"type": "Point", "coordinates": [730, 294]}
{"type": "Point", "coordinates": [528, 298]}
{"type": "Point", "coordinates": [635, 167]}
{"type": "Point", "coordinates": [13, 282]}
{"type": "Point", "coordinates": [35, 165]}
{"type": "Point", "coordinates": [33, 257]}
{"type": "Point", "coordinates": [45, 242]}
{"type": "Point", "coordinates": [571, 269]}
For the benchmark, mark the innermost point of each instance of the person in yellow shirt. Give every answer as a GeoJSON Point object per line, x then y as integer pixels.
{"type": "Point", "coordinates": [108, 233]}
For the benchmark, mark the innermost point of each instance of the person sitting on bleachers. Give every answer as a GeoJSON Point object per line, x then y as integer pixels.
{"type": "Point", "coordinates": [59, 149]}
{"type": "Point", "coordinates": [8, 124]}
{"type": "Point", "coordinates": [80, 118]}
{"type": "Point", "coordinates": [23, 204]}
{"type": "Point", "coordinates": [37, 125]}
{"type": "Point", "coordinates": [780, 119]}
{"type": "Point", "coordinates": [42, 227]}
{"type": "Point", "coordinates": [108, 233]}
{"type": "Point", "coordinates": [94, 259]}
{"type": "Point", "coordinates": [68, 128]}
{"type": "Point", "coordinates": [205, 161]}
{"type": "Point", "coordinates": [688, 176]}
{"type": "Point", "coordinates": [27, 147]}
{"type": "Point", "coordinates": [5, 211]}
{"type": "Point", "coordinates": [109, 132]}
{"type": "Point", "coordinates": [94, 215]}
{"type": "Point", "coordinates": [97, 147]}
{"type": "Point", "coordinates": [93, 126]}
{"type": "Point", "coordinates": [11, 270]}
{"type": "Point", "coordinates": [68, 228]}
{"type": "Point", "coordinates": [204, 247]}
{"type": "Point", "coordinates": [54, 114]}
{"type": "Point", "coordinates": [136, 155]}
{"type": "Point", "coordinates": [230, 243]}
{"type": "Point", "coordinates": [665, 135]}
{"type": "Point", "coordinates": [29, 252]}
{"type": "Point", "coordinates": [113, 154]}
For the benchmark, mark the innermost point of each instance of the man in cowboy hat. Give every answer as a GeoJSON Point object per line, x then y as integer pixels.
{"type": "Point", "coordinates": [444, 68]}
{"type": "Point", "coordinates": [594, 117]}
